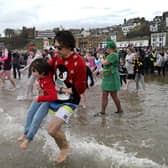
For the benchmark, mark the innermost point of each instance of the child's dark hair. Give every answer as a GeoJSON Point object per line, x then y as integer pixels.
{"type": "Point", "coordinates": [41, 66]}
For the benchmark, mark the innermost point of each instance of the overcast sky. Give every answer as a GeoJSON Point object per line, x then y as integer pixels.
{"type": "Point", "coordinates": [47, 14]}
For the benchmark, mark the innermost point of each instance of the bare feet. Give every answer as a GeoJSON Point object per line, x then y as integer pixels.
{"type": "Point", "coordinates": [63, 155]}
{"type": "Point", "coordinates": [21, 138]}
{"type": "Point", "coordinates": [25, 144]}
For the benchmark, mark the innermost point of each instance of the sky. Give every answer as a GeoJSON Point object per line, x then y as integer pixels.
{"type": "Point", "coordinates": [47, 14]}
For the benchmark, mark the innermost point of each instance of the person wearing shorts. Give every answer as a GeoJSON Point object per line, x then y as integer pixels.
{"type": "Point", "coordinates": [7, 66]}
{"type": "Point", "coordinates": [70, 77]}
{"type": "Point", "coordinates": [63, 111]}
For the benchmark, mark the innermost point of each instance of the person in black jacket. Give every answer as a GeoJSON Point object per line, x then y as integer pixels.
{"type": "Point", "coordinates": [138, 71]}
{"type": "Point", "coordinates": [89, 77]}
{"type": "Point", "coordinates": [16, 64]}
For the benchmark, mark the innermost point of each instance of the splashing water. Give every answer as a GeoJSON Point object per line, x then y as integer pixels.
{"type": "Point", "coordinates": [99, 155]}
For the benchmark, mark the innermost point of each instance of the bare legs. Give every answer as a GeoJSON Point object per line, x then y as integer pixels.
{"type": "Point", "coordinates": [9, 77]}
{"type": "Point", "coordinates": [8, 73]}
{"type": "Point", "coordinates": [54, 130]}
{"type": "Point", "coordinates": [25, 142]}
{"type": "Point", "coordinates": [21, 138]}
{"type": "Point", "coordinates": [2, 79]}
{"type": "Point", "coordinates": [83, 100]}
{"type": "Point", "coordinates": [115, 98]}
{"type": "Point", "coordinates": [104, 101]}
{"type": "Point", "coordinates": [127, 84]}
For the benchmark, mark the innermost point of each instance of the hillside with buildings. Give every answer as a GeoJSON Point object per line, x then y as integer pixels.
{"type": "Point", "coordinates": [134, 31]}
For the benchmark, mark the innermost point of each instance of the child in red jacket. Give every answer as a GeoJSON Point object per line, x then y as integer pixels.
{"type": "Point", "coordinates": [39, 107]}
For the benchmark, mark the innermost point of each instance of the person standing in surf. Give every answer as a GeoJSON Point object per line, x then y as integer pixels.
{"type": "Point", "coordinates": [33, 55]}
{"type": "Point", "coordinates": [70, 73]}
{"type": "Point", "coordinates": [6, 73]}
{"type": "Point", "coordinates": [111, 79]}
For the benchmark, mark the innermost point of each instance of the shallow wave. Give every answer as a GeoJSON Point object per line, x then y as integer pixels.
{"type": "Point", "coordinates": [100, 155]}
{"type": "Point", "coordinates": [84, 150]}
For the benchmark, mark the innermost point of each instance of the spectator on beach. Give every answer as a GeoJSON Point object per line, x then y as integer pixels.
{"type": "Point", "coordinates": [138, 71]}
{"type": "Point", "coordinates": [33, 55]}
{"type": "Point", "coordinates": [122, 71]}
{"type": "Point", "coordinates": [98, 66]}
{"type": "Point", "coordinates": [16, 64]}
{"type": "Point", "coordinates": [7, 66]}
{"type": "Point", "coordinates": [89, 83]}
{"type": "Point", "coordinates": [129, 66]}
{"type": "Point", "coordinates": [91, 61]}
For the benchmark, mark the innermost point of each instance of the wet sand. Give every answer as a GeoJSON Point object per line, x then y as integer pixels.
{"type": "Point", "coordinates": [135, 139]}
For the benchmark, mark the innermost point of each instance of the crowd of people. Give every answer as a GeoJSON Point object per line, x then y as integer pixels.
{"type": "Point", "coordinates": [63, 75]}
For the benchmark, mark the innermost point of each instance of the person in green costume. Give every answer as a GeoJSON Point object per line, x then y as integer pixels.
{"type": "Point", "coordinates": [111, 79]}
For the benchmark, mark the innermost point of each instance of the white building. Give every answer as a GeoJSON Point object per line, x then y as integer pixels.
{"type": "Point", "coordinates": [114, 37]}
{"type": "Point", "coordinates": [85, 33]}
{"type": "Point", "coordinates": [166, 21]}
{"type": "Point", "coordinates": [18, 31]}
{"type": "Point", "coordinates": [128, 27]}
{"type": "Point", "coordinates": [153, 27]}
{"type": "Point", "coordinates": [158, 39]}
{"type": "Point", "coordinates": [45, 34]}
{"type": "Point", "coordinates": [135, 43]}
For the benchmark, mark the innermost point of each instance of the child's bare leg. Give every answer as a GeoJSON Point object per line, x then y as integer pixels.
{"type": "Point", "coordinates": [21, 138]}
{"type": "Point", "coordinates": [25, 144]}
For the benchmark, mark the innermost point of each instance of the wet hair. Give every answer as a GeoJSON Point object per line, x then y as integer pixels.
{"type": "Point", "coordinates": [41, 66]}
{"type": "Point", "coordinates": [66, 39]}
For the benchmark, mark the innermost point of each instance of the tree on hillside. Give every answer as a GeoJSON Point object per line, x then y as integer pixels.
{"type": "Point", "coordinates": [120, 36]}
{"type": "Point", "coordinates": [140, 30]}
{"type": "Point", "coordinates": [14, 40]}
{"type": "Point", "coordinates": [9, 33]}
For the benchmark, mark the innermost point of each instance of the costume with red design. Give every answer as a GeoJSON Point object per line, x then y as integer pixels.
{"type": "Point", "coordinates": [70, 73]}
{"type": "Point", "coordinates": [48, 86]}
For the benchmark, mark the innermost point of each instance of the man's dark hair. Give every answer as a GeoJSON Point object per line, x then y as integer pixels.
{"type": "Point", "coordinates": [66, 39]}
{"type": "Point", "coordinates": [41, 66]}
